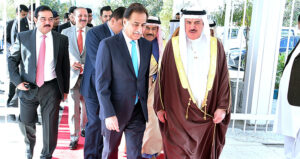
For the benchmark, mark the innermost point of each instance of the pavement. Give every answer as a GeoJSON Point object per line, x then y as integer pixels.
{"type": "Point", "coordinates": [252, 145]}
{"type": "Point", "coordinates": [239, 144]}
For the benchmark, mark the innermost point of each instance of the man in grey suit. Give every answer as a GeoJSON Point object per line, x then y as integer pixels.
{"type": "Point", "coordinates": [42, 78]}
{"type": "Point", "coordinates": [77, 53]}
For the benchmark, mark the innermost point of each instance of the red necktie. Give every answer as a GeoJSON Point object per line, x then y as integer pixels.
{"type": "Point", "coordinates": [41, 63]}
{"type": "Point", "coordinates": [79, 41]}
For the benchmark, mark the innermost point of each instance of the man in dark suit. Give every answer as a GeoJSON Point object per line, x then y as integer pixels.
{"type": "Point", "coordinates": [105, 13]}
{"type": "Point", "coordinates": [26, 23]}
{"type": "Point", "coordinates": [90, 18]}
{"type": "Point", "coordinates": [93, 139]}
{"type": "Point", "coordinates": [12, 100]}
{"type": "Point", "coordinates": [122, 71]}
{"type": "Point", "coordinates": [56, 21]}
{"type": "Point", "coordinates": [21, 13]}
{"type": "Point", "coordinates": [70, 23]}
{"type": "Point", "coordinates": [42, 78]}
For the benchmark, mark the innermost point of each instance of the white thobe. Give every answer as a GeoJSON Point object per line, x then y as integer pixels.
{"type": "Point", "coordinates": [198, 61]}
{"type": "Point", "coordinates": [288, 117]}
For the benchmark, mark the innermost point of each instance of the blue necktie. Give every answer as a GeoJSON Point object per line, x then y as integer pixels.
{"type": "Point", "coordinates": [135, 63]}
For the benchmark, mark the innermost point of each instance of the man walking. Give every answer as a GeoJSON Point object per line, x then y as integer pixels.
{"type": "Point", "coordinates": [39, 66]}
{"type": "Point", "coordinates": [77, 52]}
{"type": "Point", "coordinates": [122, 71]}
{"type": "Point", "coordinates": [93, 139]}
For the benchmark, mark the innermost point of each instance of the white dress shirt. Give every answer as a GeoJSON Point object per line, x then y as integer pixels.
{"type": "Point", "coordinates": [83, 35]}
{"type": "Point", "coordinates": [30, 24]}
{"type": "Point", "coordinates": [129, 45]}
{"type": "Point", "coordinates": [49, 68]}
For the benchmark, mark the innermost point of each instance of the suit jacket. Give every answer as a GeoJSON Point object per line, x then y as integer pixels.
{"type": "Point", "coordinates": [93, 38]}
{"type": "Point", "coordinates": [90, 25]}
{"type": "Point", "coordinates": [116, 82]}
{"type": "Point", "coordinates": [63, 26]}
{"type": "Point", "coordinates": [74, 53]}
{"type": "Point", "coordinates": [22, 62]}
{"type": "Point", "coordinates": [55, 29]}
{"type": "Point", "coordinates": [294, 85]}
{"type": "Point", "coordinates": [24, 26]}
{"type": "Point", "coordinates": [9, 25]}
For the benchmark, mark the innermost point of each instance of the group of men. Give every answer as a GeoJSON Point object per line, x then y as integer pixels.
{"type": "Point", "coordinates": [121, 80]}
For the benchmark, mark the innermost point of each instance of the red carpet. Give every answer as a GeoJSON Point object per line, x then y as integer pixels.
{"type": "Point", "coordinates": [62, 150]}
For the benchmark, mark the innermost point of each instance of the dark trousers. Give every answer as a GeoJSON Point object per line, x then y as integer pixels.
{"type": "Point", "coordinates": [134, 132]}
{"type": "Point", "coordinates": [93, 139]}
{"type": "Point", "coordinates": [48, 97]}
{"type": "Point", "coordinates": [12, 100]}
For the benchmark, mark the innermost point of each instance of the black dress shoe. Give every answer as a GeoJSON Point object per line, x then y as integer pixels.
{"type": "Point", "coordinates": [73, 145]}
{"type": "Point", "coordinates": [82, 133]}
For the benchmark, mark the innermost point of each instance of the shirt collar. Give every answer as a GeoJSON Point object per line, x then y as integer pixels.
{"type": "Point", "coordinates": [111, 32]}
{"type": "Point", "coordinates": [39, 34]}
{"type": "Point", "coordinates": [83, 29]}
{"type": "Point", "coordinates": [127, 39]}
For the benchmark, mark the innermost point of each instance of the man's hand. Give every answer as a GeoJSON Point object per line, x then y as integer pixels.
{"type": "Point", "coordinates": [162, 116]}
{"type": "Point", "coordinates": [76, 65]}
{"type": "Point", "coordinates": [219, 115]}
{"type": "Point", "coordinates": [22, 87]}
{"type": "Point", "coordinates": [65, 96]}
{"type": "Point", "coordinates": [112, 123]}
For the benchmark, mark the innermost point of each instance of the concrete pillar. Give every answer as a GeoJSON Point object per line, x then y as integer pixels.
{"type": "Point", "coordinates": [265, 31]}
{"type": "Point", "coordinates": [226, 25]}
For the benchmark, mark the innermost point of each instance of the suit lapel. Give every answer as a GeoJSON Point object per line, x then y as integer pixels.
{"type": "Point", "coordinates": [26, 24]}
{"type": "Point", "coordinates": [142, 57]}
{"type": "Point", "coordinates": [32, 48]}
{"type": "Point", "coordinates": [74, 33]}
{"type": "Point", "coordinates": [290, 55]}
{"type": "Point", "coordinates": [125, 53]}
{"type": "Point", "coordinates": [56, 42]}
{"type": "Point", "coordinates": [106, 30]}
{"type": "Point", "coordinates": [84, 47]}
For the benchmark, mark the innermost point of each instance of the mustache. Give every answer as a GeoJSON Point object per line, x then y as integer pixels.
{"type": "Point", "coordinates": [83, 20]}
{"type": "Point", "coordinates": [47, 25]}
{"type": "Point", "coordinates": [149, 35]}
{"type": "Point", "coordinates": [193, 30]}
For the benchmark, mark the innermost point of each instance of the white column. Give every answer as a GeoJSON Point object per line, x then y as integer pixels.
{"type": "Point", "coordinates": [226, 25]}
{"type": "Point", "coordinates": [37, 3]}
{"type": "Point", "coordinates": [265, 31]}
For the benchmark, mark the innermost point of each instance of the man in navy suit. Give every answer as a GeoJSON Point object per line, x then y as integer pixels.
{"type": "Point", "coordinates": [122, 71]}
{"type": "Point", "coordinates": [93, 139]}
